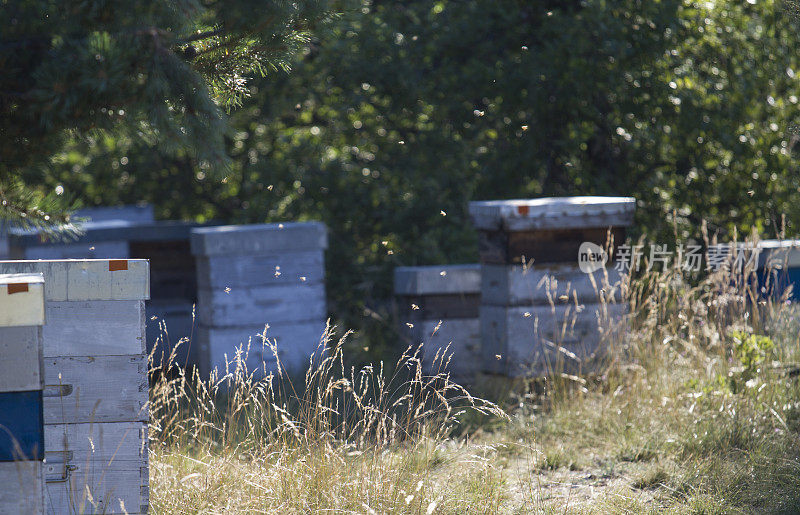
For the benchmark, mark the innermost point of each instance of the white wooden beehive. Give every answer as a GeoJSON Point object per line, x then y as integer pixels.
{"type": "Point", "coordinates": [96, 389]}
{"type": "Point", "coordinates": [21, 384]}
{"type": "Point", "coordinates": [540, 313]}
{"type": "Point", "coordinates": [253, 276]}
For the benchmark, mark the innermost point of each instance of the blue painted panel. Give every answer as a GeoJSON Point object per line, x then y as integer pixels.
{"type": "Point", "coordinates": [21, 426]}
{"type": "Point", "coordinates": [779, 281]}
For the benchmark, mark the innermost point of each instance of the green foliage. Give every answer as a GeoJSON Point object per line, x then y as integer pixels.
{"type": "Point", "coordinates": [751, 349]}
{"type": "Point", "coordinates": [156, 72]}
{"type": "Point", "coordinates": [407, 110]}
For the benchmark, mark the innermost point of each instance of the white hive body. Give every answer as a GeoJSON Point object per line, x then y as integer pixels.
{"type": "Point", "coordinates": [439, 309]}
{"type": "Point", "coordinates": [540, 311]}
{"type": "Point", "coordinates": [252, 277]}
{"type": "Point", "coordinates": [95, 383]}
{"type": "Point", "coordinates": [22, 440]}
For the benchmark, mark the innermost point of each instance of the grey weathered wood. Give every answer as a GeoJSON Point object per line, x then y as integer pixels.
{"type": "Point", "coordinates": [88, 279]}
{"type": "Point", "coordinates": [514, 285]}
{"type": "Point", "coordinates": [261, 305]}
{"type": "Point", "coordinates": [20, 358]}
{"type": "Point", "coordinates": [253, 275]}
{"type": "Point", "coordinates": [523, 341]}
{"type": "Point", "coordinates": [87, 250]}
{"type": "Point", "coordinates": [296, 342]}
{"type": "Point", "coordinates": [454, 347]}
{"type": "Point", "coordinates": [110, 458]}
{"type": "Point", "coordinates": [552, 213]}
{"type": "Point", "coordinates": [543, 246]}
{"type": "Point", "coordinates": [259, 239]}
{"type": "Point", "coordinates": [286, 268]}
{"type": "Point", "coordinates": [437, 279]}
{"type": "Point", "coordinates": [93, 328]}
{"type": "Point", "coordinates": [21, 486]}
{"type": "Point", "coordinates": [95, 389]}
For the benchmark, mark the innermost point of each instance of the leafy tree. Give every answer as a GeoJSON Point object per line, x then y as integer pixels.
{"type": "Point", "coordinates": [157, 72]}
{"type": "Point", "coordinates": [408, 110]}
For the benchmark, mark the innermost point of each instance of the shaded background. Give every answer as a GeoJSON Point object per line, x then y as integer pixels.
{"type": "Point", "coordinates": [406, 110]}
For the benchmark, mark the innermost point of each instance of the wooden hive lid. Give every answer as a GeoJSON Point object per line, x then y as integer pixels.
{"type": "Point", "coordinates": [259, 239]}
{"type": "Point", "coordinates": [552, 213]}
{"type": "Point", "coordinates": [87, 279]}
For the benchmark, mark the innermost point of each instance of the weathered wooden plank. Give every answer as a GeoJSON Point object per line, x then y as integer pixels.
{"type": "Point", "coordinates": [110, 458]}
{"type": "Point", "coordinates": [93, 328]}
{"type": "Point", "coordinates": [95, 389]}
{"type": "Point", "coordinates": [261, 305]}
{"type": "Point", "coordinates": [88, 279]}
{"type": "Point", "coordinates": [22, 487]}
{"type": "Point", "coordinates": [504, 285]}
{"type": "Point", "coordinates": [285, 268]}
{"type": "Point", "coordinates": [114, 490]}
{"type": "Point", "coordinates": [259, 238]}
{"type": "Point", "coordinates": [525, 341]}
{"type": "Point", "coordinates": [437, 280]}
{"type": "Point", "coordinates": [21, 300]}
{"type": "Point", "coordinates": [552, 213]}
{"type": "Point", "coordinates": [296, 343]}
{"type": "Point", "coordinates": [20, 358]}
{"type": "Point", "coordinates": [85, 250]}
{"type": "Point", "coordinates": [543, 246]}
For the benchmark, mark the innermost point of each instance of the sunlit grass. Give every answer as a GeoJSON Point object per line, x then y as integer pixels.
{"type": "Point", "coordinates": [684, 414]}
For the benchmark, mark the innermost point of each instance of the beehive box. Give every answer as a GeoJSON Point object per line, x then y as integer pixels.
{"type": "Point", "coordinates": [778, 267]}
{"type": "Point", "coordinates": [96, 386]}
{"type": "Point", "coordinates": [540, 310]}
{"type": "Point", "coordinates": [21, 385]}
{"type": "Point", "coordinates": [439, 308]}
{"type": "Point", "coordinates": [253, 276]}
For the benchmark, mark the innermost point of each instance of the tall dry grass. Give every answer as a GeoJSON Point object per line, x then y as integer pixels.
{"type": "Point", "coordinates": [345, 438]}
{"type": "Point", "coordinates": [693, 407]}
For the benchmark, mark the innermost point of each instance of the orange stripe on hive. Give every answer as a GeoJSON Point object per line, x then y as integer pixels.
{"type": "Point", "coordinates": [117, 264]}
{"type": "Point", "coordinates": [17, 288]}
{"type": "Point", "coordinates": [523, 210]}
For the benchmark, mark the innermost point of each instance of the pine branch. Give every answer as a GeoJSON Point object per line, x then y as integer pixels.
{"type": "Point", "coordinates": [28, 209]}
